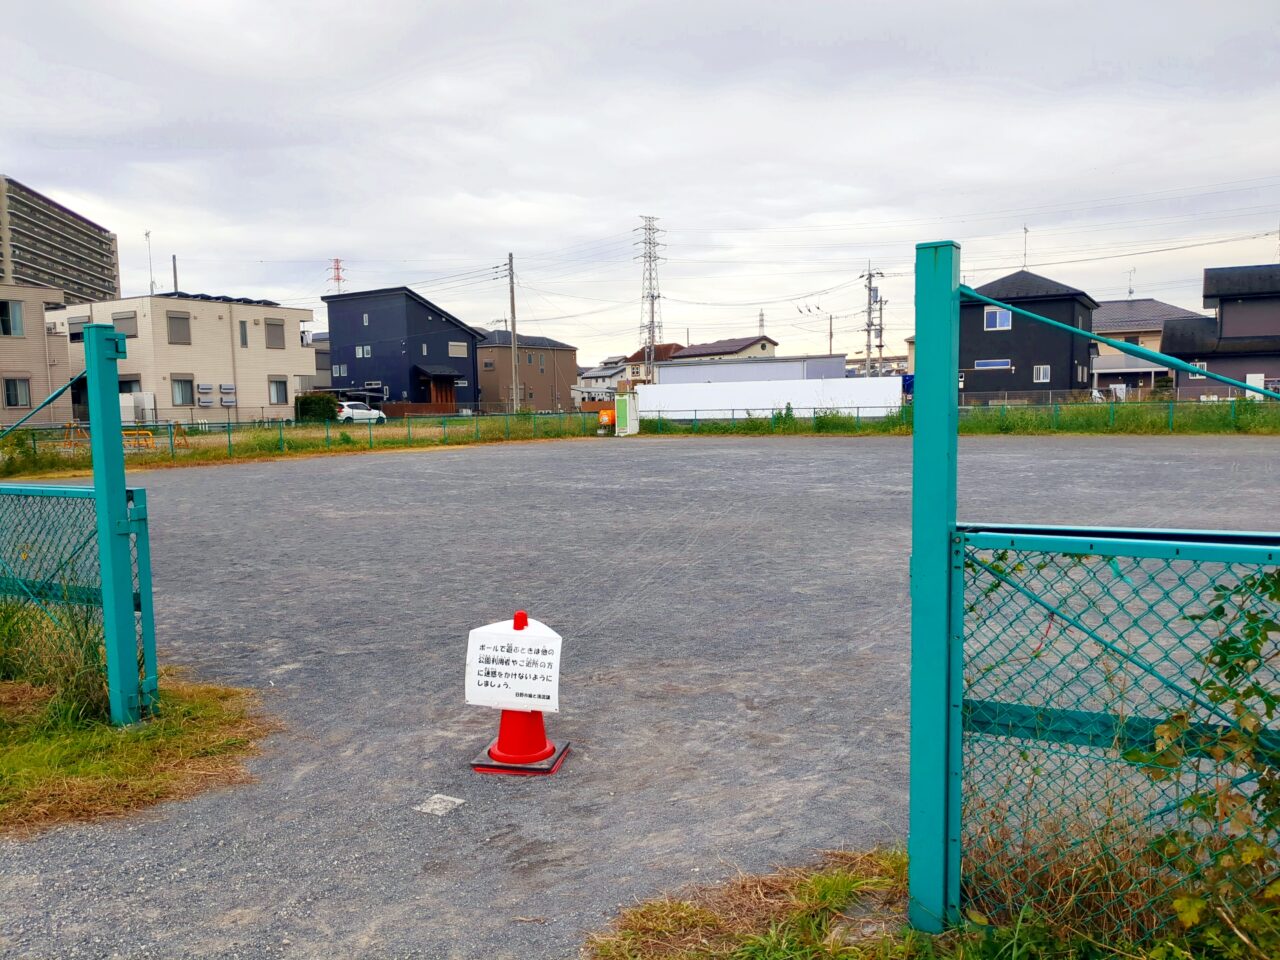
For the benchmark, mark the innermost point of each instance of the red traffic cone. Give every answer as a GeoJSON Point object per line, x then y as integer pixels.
{"type": "Point", "coordinates": [522, 747]}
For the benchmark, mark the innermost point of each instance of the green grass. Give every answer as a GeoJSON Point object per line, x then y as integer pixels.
{"type": "Point", "coordinates": [1241, 416]}
{"type": "Point", "coordinates": [54, 769]}
{"type": "Point", "coordinates": [50, 454]}
{"type": "Point", "coordinates": [849, 906]}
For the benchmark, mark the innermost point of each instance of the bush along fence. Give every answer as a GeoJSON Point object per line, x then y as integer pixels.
{"type": "Point", "coordinates": [37, 449]}
{"type": "Point", "coordinates": [1095, 713]}
{"type": "Point", "coordinates": [75, 571]}
{"type": "Point", "coordinates": [1228, 416]}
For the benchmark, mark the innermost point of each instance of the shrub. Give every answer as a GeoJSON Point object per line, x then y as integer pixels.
{"type": "Point", "coordinates": [315, 406]}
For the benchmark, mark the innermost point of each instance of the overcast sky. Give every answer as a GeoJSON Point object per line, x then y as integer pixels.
{"type": "Point", "coordinates": [781, 144]}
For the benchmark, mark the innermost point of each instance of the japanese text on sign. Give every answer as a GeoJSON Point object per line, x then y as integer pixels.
{"type": "Point", "coordinates": [514, 669]}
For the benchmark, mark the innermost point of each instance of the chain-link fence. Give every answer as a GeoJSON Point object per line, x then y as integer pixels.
{"type": "Point", "coordinates": [51, 607]}
{"type": "Point", "coordinates": [1120, 741]}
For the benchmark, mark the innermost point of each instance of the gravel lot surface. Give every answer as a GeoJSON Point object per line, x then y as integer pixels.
{"type": "Point", "coordinates": [734, 682]}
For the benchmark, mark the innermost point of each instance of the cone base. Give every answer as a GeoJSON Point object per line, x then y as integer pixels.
{"type": "Point", "coordinates": [483, 763]}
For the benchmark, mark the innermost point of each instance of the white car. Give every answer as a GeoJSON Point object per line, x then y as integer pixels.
{"type": "Point", "coordinates": [356, 412]}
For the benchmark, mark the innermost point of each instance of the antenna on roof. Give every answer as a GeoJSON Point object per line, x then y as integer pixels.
{"type": "Point", "coordinates": [1132, 270]}
{"type": "Point", "coordinates": [1025, 231]}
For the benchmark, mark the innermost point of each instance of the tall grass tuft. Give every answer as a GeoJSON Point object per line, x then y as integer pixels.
{"type": "Point", "coordinates": [60, 651]}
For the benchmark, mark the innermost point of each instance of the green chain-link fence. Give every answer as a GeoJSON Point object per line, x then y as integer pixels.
{"type": "Point", "coordinates": [51, 619]}
{"type": "Point", "coordinates": [1120, 737]}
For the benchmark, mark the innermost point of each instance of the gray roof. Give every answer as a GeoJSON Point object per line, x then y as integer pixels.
{"type": "Point", "coordinates": [603, 371]}
{"type": "Point", "coordinates": [502, 338]}
{"type": "Point", "coordinates": [1025, 285]}
{"type": "Point", "coordinates": [1134, 316]}
{"type": "Point", "coordinates": [1262, 280]}
{"type": "Point", "coordinates": [717, 347]}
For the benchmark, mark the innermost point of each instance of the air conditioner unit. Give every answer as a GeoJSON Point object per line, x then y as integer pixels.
{"type": "Point", "coordinates": [226, 388]}
{"type": "Point", "coordinates": [204, 388]}
{"type": "Point", "coordinates": [205, 401]}
{"type": "Point", "coordinates": [227, 401]}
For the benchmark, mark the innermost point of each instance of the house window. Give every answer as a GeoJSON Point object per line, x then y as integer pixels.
{"type": "Point", "coordinates": [365, 319]}
{"type": "Point", "coordinates": [339, 370]}
{"type": "Point", "coordinates": [457, 348]}
{"type": "Point", "coordinates": [130, 386]}
{"type": "Point", "coordinates": [126, 322]}
{"type": "Point", "coordinates": [277, 390]}
{"type": "Point", "coordinates": [75, 329]}
{"type": "Point", "coordinates": [244, 333]}
{"type": "Point", "coordinates": [992, 365]}
{"type": "Point", "coordinates": [17, 393]}
{"type": "Point", "coordinates": [460, 383]}
{"type": "Point", "coordinates": [996, 318]}
{"type": "Point", "coordinates": [762, 347]}
{"type": "Point", "coordinates": [10, 318]}
{"type": "Point", "coordinates": [179, 325]}
{"type": "Point", "coordinates": [542, 360]}
{"type": "Point", "coordinates": [424, 349]}
{"type": "Point", "coordinates": [1200, 364]}
{"type": "Point", "coordinates": [275, 334]}
{"type": "Point", "coordinates": [530, 360]}
{"type": "Point", "coordinates": [1133, 340]}
{"type": "Point", "coordinates": [488, 364]}
{"type": "Point", "coordinates": [364, 350]}
{"type": "Point", "coordinates": [1040, 373]}
{"type": "Point", "coordinates": [184, 391]}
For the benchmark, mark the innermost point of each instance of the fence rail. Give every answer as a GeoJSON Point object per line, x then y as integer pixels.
{"type": "Point", "coordinates": [70, 444]}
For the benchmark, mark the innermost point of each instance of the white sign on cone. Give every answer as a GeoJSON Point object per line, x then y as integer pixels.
{"type": "Point", "coordinates": [514, 669]}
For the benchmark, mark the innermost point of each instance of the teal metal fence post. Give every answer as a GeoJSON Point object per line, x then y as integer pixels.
{"type": "Point", "coordinates": [228, 431]}
{"type": "Point", "coordinates": [1171, 416]}
{"type": "Point", "coordinates": [476, 418]}
{"type": "Point", "coordinates": [933, 838]}
{"type": "Point", "coordinates": [506, 419]}
{"type": "Point", "coordinates": [326, 434]}
{"type": "Point", "coordinates": [150, 691]}
{"type": "Point", "coordinates": [171, 438]}
{"type": "Point", "coordinates": [370, 434]}
{"type": "Point", "coordinates": [444, 429]}
{"type": "Point", "coordinates": [103, 349]}
{"type": "Point", "coordinates": [281, 428]}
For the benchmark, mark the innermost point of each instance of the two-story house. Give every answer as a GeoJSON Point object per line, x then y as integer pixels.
{"type": "Point", "coordinates": [1140, 322]}
{"type": "Point", "coordinates": [396, 345]}
{"type": "Point", "coordinates": [1002, 352]}
{"type": "Point", "coordinates": [1241, 340]}
{"type": "Point", "coordinates": [734, 348]}
{"type": "Point", "coordinates": [546, 369]}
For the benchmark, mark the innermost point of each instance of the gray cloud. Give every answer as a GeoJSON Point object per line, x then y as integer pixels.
{"type": "Point", "coordinates": [782, 144]}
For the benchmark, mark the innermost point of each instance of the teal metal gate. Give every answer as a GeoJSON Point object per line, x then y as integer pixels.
{"type": "Point", "coordinates": [1095, 712]}
{"type": "Point", "coordinates": [75, 562]}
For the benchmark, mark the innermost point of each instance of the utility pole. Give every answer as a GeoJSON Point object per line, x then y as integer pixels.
{"type": "Point", "coordinates": [873, 294]}
{"type": "Point", "coordinates": [175, 272]}
{"type": "Point", "coordinates": [880, 339]}
{"type": "Point", "coordinates": [650, 330]}
{"type": "Point", "coordinates": [1025, 231]}
{"type": "Point", "coordinates": [830, 333]}
{"type": "Point", "coordinates": [515, 359]}
{"type": "Point", "coordinates": [151, 271]}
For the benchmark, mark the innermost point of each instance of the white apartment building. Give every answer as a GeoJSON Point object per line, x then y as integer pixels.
{"type": "Point", "coordinates": [34, 359]}
{"type": "Point", "coordinates": [196, 357]}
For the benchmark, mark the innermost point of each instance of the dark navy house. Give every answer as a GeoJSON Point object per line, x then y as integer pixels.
{"type": "Point", "coordinates": [1000, 351]}
{"type": "Point", "coordinates": [398, 345]}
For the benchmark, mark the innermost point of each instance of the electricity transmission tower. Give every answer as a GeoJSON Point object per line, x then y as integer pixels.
{"type": "Point", "coordinates": [650, 314]}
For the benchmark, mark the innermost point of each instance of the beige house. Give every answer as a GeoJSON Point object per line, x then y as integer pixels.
{"type": "Point", "coordinates": [196, 357]}
{"type": "Point", "coordinates": [34, 357]}
{"type": "Point", "coordinates": [1139, 322]}
{"type": "Point", "coordinates": [548, 370]}
{"type": "Point", "coordinates": [736, 348]}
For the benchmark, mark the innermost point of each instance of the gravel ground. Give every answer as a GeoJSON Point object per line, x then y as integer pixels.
{"type": "Point", "coordinates": [734, 682]}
